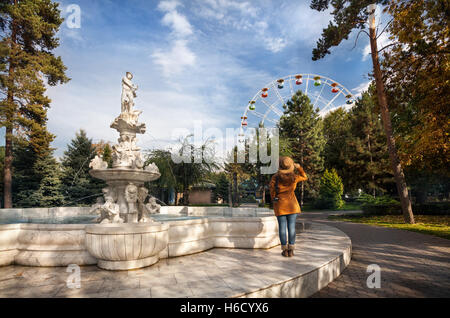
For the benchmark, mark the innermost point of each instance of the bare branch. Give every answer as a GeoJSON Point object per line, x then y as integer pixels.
{"type": "Point", "coordinates": [386, 47]}
{"type": "Point", "coordinates": [357, 36]}
{"type": "Point", "coordinates": [384, 29]}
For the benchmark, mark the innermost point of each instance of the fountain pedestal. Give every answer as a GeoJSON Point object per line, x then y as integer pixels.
{"type": "Point", "coordinates": [126, 246]}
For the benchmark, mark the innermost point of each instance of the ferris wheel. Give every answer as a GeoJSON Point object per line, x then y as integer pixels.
{"type": "Point", "coordinates": [266, 107]}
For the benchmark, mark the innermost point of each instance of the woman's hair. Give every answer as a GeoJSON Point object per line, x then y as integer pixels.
{"type": "Point", "coordinates": [287, 178]}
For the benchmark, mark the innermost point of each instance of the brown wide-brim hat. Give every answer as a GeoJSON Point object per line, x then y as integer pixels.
{"type": "Point", "coordinates": [286, 165]}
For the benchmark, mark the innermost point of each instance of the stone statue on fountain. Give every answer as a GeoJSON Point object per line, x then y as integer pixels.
{"type": "Point", "coordinates": [125, 195]}
{"type": "Point", "coordinates": [109, 210]}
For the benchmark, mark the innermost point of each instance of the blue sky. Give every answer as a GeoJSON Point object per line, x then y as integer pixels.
{"type": "Point", "coordinates": [192, 60]}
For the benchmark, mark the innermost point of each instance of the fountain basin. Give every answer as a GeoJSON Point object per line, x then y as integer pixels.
{"type": "Point", "coordinates": [124, 174]}
{"type": "Point", "coordinates": [190, 230]}
{"type": "Point", "coordinates": [44, 245]}
{"type": "Point", "coordinates": [126, 246]}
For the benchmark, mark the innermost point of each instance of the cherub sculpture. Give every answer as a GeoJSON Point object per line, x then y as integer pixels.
{"type": "Point", "coordinates": [152, 206]}
{"type": "Point", "coordinates": [143, 212]}
{"type": "Point", "coordinates": [98, 163]}
{"type": "Point", "coordinates": [109, 211]}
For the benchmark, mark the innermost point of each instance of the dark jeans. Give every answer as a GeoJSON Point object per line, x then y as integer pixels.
{"type": "Point", "coordinates": [287, 221]}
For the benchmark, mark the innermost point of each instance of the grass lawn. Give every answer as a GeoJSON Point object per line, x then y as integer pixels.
{"type": "Point", "coordinates": [438, 225]}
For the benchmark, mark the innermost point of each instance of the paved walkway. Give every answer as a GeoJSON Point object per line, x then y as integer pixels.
{"type": "Point", "coordinates": [412, 264]}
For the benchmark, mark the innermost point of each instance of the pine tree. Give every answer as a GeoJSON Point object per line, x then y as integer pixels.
{"type": "Point", "coordinates": [78, 185]}
{"type": "Point", "coordinates": [27, 64]}
{"type": "Point", "coordinates": [337, 132]}
{"type": "Point", "coordinates": [331, 190]}
{"type": "Point", "coordinates": [25, 180]}
{"type": "Point", "coordinates": [222, 185]}
{"type": "Point", "coordinates": [107, 155]}
{"type": "Point", "coordinates": [348, 15]}
{"type": "Point", "coordinates": [367, 162]}
{"type": "Point", "coordinates": [49, 190]}
{"type": "Point", "coordinates": [237, 173]}
{"type": "Point", "coordinates": [303, 127]}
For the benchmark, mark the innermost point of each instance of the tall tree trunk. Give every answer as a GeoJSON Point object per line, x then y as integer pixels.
{"type": "Point", "coordinates": [262, 183]}
{"type": "Point", "coordinates": [263, 194]}
{"type": "Point", "coordinates": [302, 187]}
{"type": "Point", "coordinates": [7, 169]}
{"type": "Point", "coordinates": [235, 203]}
{"type": "Point", "coordinates": [230, 200]}
{"type": "Point", "coordinates": [371, 163]}
{"type": "Point", "coordinates": [385, 115]}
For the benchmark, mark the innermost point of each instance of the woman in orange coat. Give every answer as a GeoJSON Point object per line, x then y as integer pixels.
{"type": "Point", "coordinates": [285, 205]}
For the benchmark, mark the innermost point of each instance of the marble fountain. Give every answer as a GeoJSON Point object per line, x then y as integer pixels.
{"type": "Point", "coordinates": [127, 230]}
{"type": "Point", "coordinates": [126, 233]}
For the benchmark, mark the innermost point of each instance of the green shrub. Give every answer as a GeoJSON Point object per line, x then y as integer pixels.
{"type": "Point", "coordinates": [365, 198]}
{"type": "Point", "coordinates": [331, 190]}
{"type": "Point", "coordinates": [249, 199]}
{"type": "Point", "coordinates": [432, 208]}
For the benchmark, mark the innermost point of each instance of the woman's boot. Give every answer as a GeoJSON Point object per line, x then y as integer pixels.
{"type": "Point", "coordinates": [285, 251]}
{"type": "Point", "coordinates": [291, 248]}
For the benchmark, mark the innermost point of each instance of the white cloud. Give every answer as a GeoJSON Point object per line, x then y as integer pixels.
{"type": "Point", "coordinates": [358, 90]}
{"type": "Point", "coordinates": [180, 25]}
{"type": "Point", "coordinates": [179, 55]}
{"type": "Point", "coordinates": [244, 16]}
{"type": "Point", "coordinates": [275, 44]}
{"type": "Point", "coordinates": [168, 5]}
{"type": "Point", "coordinates": [176, 59]}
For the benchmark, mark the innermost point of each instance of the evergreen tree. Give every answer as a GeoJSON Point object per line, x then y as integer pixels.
{"type": "Point", "coordinates": [107, 155]}
{"type": "Point", "coordinates": [303, 127]}
{"type": "Point", "coordinates": [222, 187]}
{"type": "Point", "coordinates": [237, 173]}
{"type": "Point", "coordinates": [49, 190]}
{"type": "Point", "coordinates": [367, 160]}
{"type": "Point", "coordinates": [331, 190]}
{"type": "Point", "coordinates": [26, 179]}
{"type": "Point", "coordinates": [27, 64]}
{"type": "Point", "coordinates": [337, 132]}
{"type": "Point", "coordinates": [78, 185]}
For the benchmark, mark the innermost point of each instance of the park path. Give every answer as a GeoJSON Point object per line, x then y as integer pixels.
{"type": "Point", "coordinates": [412, 264]}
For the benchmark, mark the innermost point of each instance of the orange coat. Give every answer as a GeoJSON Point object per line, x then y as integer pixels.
{"type": "Point", "coordinates": [287, 202]}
